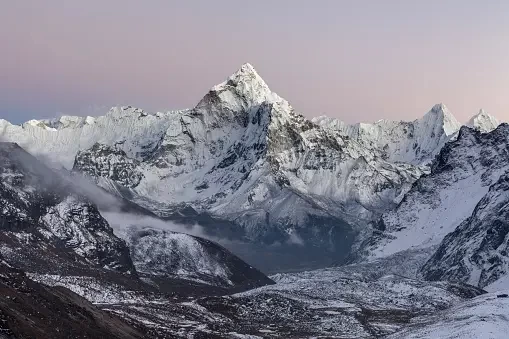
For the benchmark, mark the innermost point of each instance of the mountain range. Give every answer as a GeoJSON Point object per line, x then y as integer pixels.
{"type": "Point", "coordinates": [135, 204]}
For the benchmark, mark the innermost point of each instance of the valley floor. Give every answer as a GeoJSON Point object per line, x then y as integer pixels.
{"type": "Point", "coordinates": [354, 301]}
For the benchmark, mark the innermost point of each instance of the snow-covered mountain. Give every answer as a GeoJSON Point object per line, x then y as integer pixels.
{"type": "Point", "coordinates": [244, 158]}
{"type": "Point", "coordinates": [438, 202]}
{"type": "Point", "coordinates": [159, 253]}
{"type": "Point", "coordinates": [242, 154]}
{"type": "Point", "coordinates": [421, 199]}
{"type": "Point", "coordinates": [483, 122]}
{"type": "Point", "coordinates": [456, 212]}
{"type": "Point", "coordinates": [415, 142]}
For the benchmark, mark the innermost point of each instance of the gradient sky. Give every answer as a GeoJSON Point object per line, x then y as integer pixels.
{"type": "Point", "coordinates": [356, 60]}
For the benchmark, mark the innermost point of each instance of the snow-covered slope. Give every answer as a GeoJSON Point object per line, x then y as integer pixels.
{"type": "Point", "coordinates": [159, 253]}
{"type": "Point", "coordinates": [437, 203]}
{"type": "Point", "coordinates": [415, 142]}
{"type": "Point", "coordinates": [482, 317]}
{"type": "Point", "coordinates": [483, 122]}
{"type": "Point", "coordinates": [477, 251]}
{"type": "Point", "coordinates": [456, 214]}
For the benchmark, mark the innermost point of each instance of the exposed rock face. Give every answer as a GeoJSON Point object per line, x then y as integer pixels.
{"type": "Point", "coordinates": [106, 161]}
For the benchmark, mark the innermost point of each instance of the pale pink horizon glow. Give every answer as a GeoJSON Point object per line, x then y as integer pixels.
{"type": "Point", "coordinates": [354, 60]}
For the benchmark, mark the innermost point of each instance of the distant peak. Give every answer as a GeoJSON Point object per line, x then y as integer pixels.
{"type": "Point", "coordinates": [482, 114]}
{"type": "Point", "coordinates": [440, 108]}
{"type": "Point", "coordinates": [439, 115]}
{"type": "Point", "coordinates": [483, 121]}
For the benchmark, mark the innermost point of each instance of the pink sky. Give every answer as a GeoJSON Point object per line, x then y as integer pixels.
{"type": "Point", "coordinates": [356, 60]}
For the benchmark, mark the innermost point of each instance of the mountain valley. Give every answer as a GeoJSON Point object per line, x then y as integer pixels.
{"type": "Point", "coordinates": [161, 224]}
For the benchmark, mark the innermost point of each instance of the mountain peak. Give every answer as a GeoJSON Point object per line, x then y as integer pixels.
{"type": "Point", "coordinates": [440, 108]}
{"type": "Point", "coordinates": [247, 68]}
{"type": "Point", "coordinates": [483, 114]}
{"type": "Point", "coordinates": [241, 90]}
{"type": "Point", "coordinates": [440, 115]}
{"type": "Point", "coordinates": [483, 122]}
{"type": "Point", "coordinates": [246, 81]}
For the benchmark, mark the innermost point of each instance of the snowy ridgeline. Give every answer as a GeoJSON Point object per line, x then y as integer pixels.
{"type": "Point", "coordinates": [244, 155]}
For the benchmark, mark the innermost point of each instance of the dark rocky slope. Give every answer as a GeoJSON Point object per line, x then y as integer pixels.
{"type": "Point", "coordinates": [31, 310]}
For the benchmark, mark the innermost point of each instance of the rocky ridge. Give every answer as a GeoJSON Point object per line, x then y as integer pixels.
{"type": "Point", "coordinates": [51, 227]}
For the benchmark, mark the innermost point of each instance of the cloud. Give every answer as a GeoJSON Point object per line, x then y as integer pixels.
{"type": "Point", "coordinates": [121, 222]}
{"type": "Point", "coordinates": [295, 239]}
